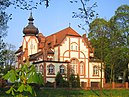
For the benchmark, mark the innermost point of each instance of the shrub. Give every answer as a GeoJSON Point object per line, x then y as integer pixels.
{"type": "Point", "coordinates": [59, 80]}
{"type": "Point", "coordinates": [74, 82]}
{"type": "Point", "coordinates": [22, 79]}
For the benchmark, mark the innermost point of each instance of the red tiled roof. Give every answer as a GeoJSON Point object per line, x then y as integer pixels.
{"type": "Point", "coordinates": [36, 55]}
{"type": "Point", "coordinates": [57, 38]}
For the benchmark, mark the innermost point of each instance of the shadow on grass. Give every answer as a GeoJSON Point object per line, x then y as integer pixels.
{"type": "Point", "coordinates": [98, 93]}
{"type": "Point", "coordinates": [60, 93]}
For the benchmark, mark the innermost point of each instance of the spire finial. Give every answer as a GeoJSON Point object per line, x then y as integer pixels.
{"type": "Point", "coordinates": [30, 29]}
{"type": "Point", "coordinates": [31, 17]}
{"type": "Point", "coordinates": [69, 24]}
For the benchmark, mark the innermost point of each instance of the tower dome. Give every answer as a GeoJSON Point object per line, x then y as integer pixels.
{"type": "Point", "coordinates": [30, 29]}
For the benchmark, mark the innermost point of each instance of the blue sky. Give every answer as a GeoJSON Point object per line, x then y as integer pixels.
{"type": "Point", "coordinates": [55, 18]}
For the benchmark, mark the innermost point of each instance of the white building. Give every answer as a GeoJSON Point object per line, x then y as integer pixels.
{"type": "Point", "coordinates": [65, 51]}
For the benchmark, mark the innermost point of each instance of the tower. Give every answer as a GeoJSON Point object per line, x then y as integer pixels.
{"type": "Point", "coordinates": [30, 41]}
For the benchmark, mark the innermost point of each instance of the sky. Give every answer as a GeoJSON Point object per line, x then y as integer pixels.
{"type": "Point", "coordinates": [56, 17]}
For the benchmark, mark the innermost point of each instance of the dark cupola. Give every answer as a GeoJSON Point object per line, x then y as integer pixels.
{"type": "Point", "coordinates": [30, 29]}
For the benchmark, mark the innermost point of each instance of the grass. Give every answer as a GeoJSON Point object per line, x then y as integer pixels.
{"type": "Point", "coordinates": [82, 93]}
{"type": "Point", "coordinates": [76, 93]}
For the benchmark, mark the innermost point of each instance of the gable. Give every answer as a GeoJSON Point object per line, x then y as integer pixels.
{"type": "Point", "coordinates": [57, 38]}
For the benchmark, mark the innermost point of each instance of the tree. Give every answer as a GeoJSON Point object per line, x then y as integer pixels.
{"type": "Point", "coordinates": [74, 81]}
{"type": "Point", "coordinates": [22, 79]}
{"type": "Point", "coordinates": [115, 48]}
{"type": "Point", "coordinates": [28, 4]}
{"type": "Point", "coordinates": [86, 12]}
{"type": "Point", "coordinates": [99, 37]}
{"type": "Point", "coordinates": [120, 28]}
{"type": "Point", "coordinates": [110, 40]}
{"type": "Point", "coordinates": [4, 18]}
{"type": "Point", "coordinates": [9, 55]}
{"type": "Point", "coordinates": [59, 80]}
{"type": "Point", "coordinates": [78, 81]}
{"type": "Point", "coordinates": [122, 20]}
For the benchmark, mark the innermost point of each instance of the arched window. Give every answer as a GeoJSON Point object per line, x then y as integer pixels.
{"type": "Point", "coordinates": [41, 69]}
{"type": "Point", "coordinates": [81, 68]}
{"type": "Point", "coordinates": [95, 70]}
{"type": "Point", "coordinates": [71, 47]}
{"type": "Point", "coordinates": [74, 66]}
{"type": "Point", "coordinates": [62, 69]}
{"type": "Point", "coordinates": [74, 46]}
{"type": "Point", "coordinates": [51, 69]}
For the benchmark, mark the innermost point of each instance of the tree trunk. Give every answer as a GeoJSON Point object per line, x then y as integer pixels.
{"type": "Point", "coordinates": [124, 75]}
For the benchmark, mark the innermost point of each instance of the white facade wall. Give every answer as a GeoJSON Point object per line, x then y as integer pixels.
{"type": "Point", "coordinates": [32, 46]}
{"type": "Point", "coordinates": [30, 42]}
{"type": "Point", "coordinates": [91, 69]}
{"type": "Point", "coordinates": [64, 49]}
{"type": "Point", "coordinates": [57, 69]}
{"type": "Point", "coordinates": [81, 53]}
{"type": "Point", "coordinates": [55, 58]}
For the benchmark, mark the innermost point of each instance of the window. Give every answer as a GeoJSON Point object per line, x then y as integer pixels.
{"type": "Point", "coordinates": [74, 66]}
{"type": "Point", "coordinates": [81, 68]}
{"type": "Point", "coordinates": [71, 47]}
{"type": "Point", "coordinates": [74, 46]}
{"type": "Point", "coordinates": [41, 69]}
{"type": "Point", "coordinates": [32, 46]}
{"type": "Point", "coordinates": [51, 69]}
{"type": "Point", "coordinates": [95, 70]}
{"type": "Point", "coordinates": [62, 69]}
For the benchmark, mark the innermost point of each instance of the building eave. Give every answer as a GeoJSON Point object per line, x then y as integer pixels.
{"type": "Point", "coordinates": [47, 61]}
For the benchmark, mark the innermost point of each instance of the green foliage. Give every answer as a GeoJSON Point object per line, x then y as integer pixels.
{"type": "Point", "coordinates": [4, 18]}
{"type": "Point", "coordinates": [77, 93]}
{"type": "Point", "coordinates": [78, 81]}
{"type": "Point", "coordinates": [22, 79]}
{"type": "Point", "coordinates": [60, 81]}
{"type": "Point", "coordinates": [74, 81]}
{"type": "Point", "coordinates": [110, 40]}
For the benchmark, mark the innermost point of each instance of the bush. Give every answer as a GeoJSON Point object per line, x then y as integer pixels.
{"type": "Point", "coordinates": [49, 84]}
{"type": "Point", "coordinates": [74, 82]}
{"type": "Point", "coordinates": [59, 80]}
{"type": "Point", "coordinates": [21, 80]}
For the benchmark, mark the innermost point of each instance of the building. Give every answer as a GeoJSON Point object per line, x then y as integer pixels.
{"type": "Point", "coordinates": [65, 51]}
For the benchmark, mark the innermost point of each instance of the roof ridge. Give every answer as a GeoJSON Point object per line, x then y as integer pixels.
{"type": "Point", "coordinates": [63, 30]}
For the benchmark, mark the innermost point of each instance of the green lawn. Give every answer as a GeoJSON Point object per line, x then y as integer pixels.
{"type": "Point", "coordinates": [76, 93]}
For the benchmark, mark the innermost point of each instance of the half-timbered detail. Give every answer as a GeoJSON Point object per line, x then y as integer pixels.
{"type": "Point", "coordinates": [65, 51]}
